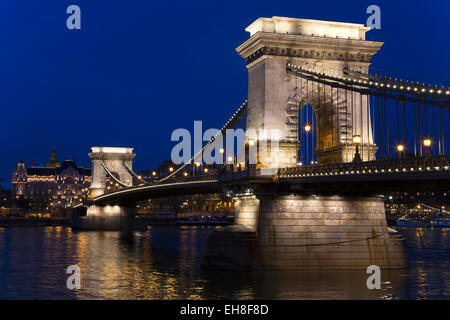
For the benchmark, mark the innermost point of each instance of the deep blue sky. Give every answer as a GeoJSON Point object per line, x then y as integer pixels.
{"type": "Point", "coordinates": [139, 69]}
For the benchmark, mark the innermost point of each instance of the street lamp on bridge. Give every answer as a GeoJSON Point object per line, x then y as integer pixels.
{"type": "Point", "coordinates": [357, 141]}
{"type": "Point", "coordinates": [307, 127]}
{"type": "Point", "coordinates": [400, 149]}
{"type": "Point", "coordinates": [427, 144]}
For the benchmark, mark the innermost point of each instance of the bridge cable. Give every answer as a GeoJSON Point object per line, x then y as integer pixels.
{"type": "Point", "coordinates": [346, 125]}
{"type": "Point", "coordinates": [361, 125]}
{"type": "Point", "coordinates": [113, 177]}
{"type": "Point", "coordinates": [398, 120]}
{"type": "Point", "coordinates": [426, 122]}
{"type": "Point", "coordinates": [404, 125]}
{"type": "Point", "coordinates": [353, 123]}
{"type": "Point", "coordinates": [415, 130]}
{"type": "Point", "coordinates": [383, 87]}
{"type": "Point", "coordinates": [419, 112]}
{"type": "Point", "coordinates": [338, 120]}
{"type": "Point", "coordinates": [307, 123]}
{"type": "Point", "coordinates": [321, 106]}
{"type": "Point", "coordinates": [332, 124]}
{"type": "Point", "coordinates": [442, 131]}
{"type": "Point", "coordinates": [379, 123]}
{"type": "Point", "coordinates": [433, 134]}
{"type": "Point", "coordinates": [369, 127]}
{"type": "Point", "coordinates": [386, 110]}
{"type": "Point", "coordinates": [236, 117]}
{"type": "Point", "coordinates": [133, 173]}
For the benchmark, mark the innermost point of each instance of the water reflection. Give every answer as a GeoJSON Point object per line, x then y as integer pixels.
{"type": "Point", "coordinates": [164, 263]}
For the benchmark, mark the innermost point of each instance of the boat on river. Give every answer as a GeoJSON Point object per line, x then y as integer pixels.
{"type": "Point", "coordinates": [434, 218]}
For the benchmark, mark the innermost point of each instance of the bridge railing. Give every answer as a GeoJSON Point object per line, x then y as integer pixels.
{"type": "Point", "coordinates": [400, 165]}
{"type": "Point", "coordinates": [176, 179]}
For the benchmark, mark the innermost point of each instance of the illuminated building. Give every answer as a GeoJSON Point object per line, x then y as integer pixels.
{"type": "Point", "coordinates": [53, 186]}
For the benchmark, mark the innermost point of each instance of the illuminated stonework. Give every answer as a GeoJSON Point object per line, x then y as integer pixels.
{"type": "Point", "coordinates": [274, 97]}
{"type": "Point", "coordinates": [306, 232]}
{"type": "Point", "coordinates": [106, 218]}
{"type": "Point", "coordinates": [113, 158]}
{"type": "Point", "coordinates": [53, 186]}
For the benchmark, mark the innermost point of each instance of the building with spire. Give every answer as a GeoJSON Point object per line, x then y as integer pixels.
{"type": "Point", "coordinates": [51, 187]}
{"type": "Point", "coordinates": [53, 162]}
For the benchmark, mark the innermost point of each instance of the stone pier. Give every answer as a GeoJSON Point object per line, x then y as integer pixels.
{"type": "Point", "coordinates": [306, 232]}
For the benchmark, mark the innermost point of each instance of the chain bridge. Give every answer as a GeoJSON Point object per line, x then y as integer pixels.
{"type": "Point", "coordinates": [345, 135]}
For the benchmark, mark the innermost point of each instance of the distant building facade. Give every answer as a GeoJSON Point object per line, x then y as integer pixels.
{"type": "Point", "coordinates": [53, 186]}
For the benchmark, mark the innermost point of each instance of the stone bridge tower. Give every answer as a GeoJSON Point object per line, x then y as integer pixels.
{"type": "Point", "coordinates": [113, 158]}
{"type": "Point", "coordinates": [107, 217]}
{"type": "Point", "coordinates": [274, 96]}
{"type": "Point", "coordinates": [298, 230]}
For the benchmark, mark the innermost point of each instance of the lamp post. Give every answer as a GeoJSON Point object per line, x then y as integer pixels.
{"type": "Point", "coordinates": [193, 168]}
{"type": "Point", "coordinates": [427, 144]}
{"type": "Point", "coordinates": [400, 149]}
{"type": "Point", "coordinates": [307, 130]}
{"type": "Point", "coordinates": [230, 163]}
{"type": "Point", "coordinates": [357, 141]}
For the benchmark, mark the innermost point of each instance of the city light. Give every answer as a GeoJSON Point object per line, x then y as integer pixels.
{"type": "Point", "coordinates": [171, 169]}
{"type": "Point", "coordinates": [251, 142]}
{"type": "Point", "coordinates": [307, 128]}
{"type": "Point", "coordinates": [427, 142]}
{"type": "Point", "coordinates": [357, 139]}
{"type": "Point", "coordinates": [154, 173]}
{"type": "Point", "coordinates": [400, 148]}
{"type": "Point", "coordinates": [222, 150]}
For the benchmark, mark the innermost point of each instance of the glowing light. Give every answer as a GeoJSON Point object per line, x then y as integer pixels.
{"type": "Point", "coordinates": [171, 169]}
{"type": "Point", "coordinates": [154, 173]}
{"type": "Point", "coordinates": [307, 128]}
{"type": "Point", "coordinates": [111, 150]}
{"type": "Point", "coordinates": [427, 142]}
{"type": "Point", "coordinates": [198, 164]}
{"type": "Point", "coordinates": [251, 142]}
{"type": "Point", "coordinates": [185, 174]}
{"type": "Point", "coordinates": [222, 150]}
{"type": "Point", "coordinates": [357, 139]}
{"type": "Point", "coordinates": [400, 148]}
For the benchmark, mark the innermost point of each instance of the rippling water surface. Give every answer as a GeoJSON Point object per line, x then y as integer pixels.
{"type": "Point", "coordinates": [164, 263]}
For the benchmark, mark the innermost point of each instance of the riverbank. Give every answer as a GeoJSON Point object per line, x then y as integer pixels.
{"type": "Point", "coordinates": [14, 222]}
{"type": "Point", "coordinates": [11, 222]}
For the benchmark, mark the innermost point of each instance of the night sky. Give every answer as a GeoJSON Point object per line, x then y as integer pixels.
{"type": "Point", "coordinates": [137, 70]}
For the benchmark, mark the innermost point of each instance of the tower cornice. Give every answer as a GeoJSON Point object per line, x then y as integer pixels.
{"type": "Point", "coordinates": [303, 46]}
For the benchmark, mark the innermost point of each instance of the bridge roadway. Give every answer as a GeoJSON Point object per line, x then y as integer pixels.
{"type": "Point", "coordinates": [429, 173]}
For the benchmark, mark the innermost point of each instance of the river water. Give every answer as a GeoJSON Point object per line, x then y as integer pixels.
{"type": "Point", "coordinates": [165, 263]}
